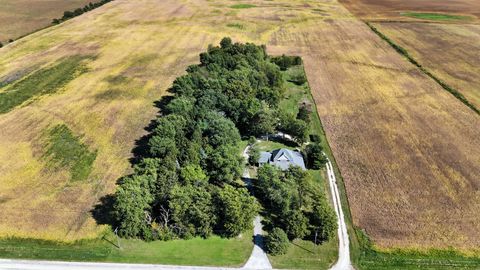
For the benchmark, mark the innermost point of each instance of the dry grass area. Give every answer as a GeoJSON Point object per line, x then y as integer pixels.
{"type": "Point", "coordinates": [408, 150]}
{"type": "Point", "coordinates": [393, 9]}
{"type": "Point", "coordinates": [449, 51]}
{"type": "Point", "coordinates": [20, 17]}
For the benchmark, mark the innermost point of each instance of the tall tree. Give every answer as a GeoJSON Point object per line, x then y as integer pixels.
{"type": "Point", "coordinates": [236, 210]}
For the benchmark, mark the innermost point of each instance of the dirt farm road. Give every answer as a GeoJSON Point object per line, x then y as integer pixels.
{"type": "Point", "coordinates": [343, 262]}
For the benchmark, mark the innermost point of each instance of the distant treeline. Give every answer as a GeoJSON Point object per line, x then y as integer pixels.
{"type": "Point", "coordinates": [79, 11]}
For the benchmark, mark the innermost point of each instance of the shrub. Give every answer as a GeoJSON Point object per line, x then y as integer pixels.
{"type": "Point", "coordinates": [284, 62]}
{"type": "Point", "coordinates": [298, 78]}
{"type": "Point", "coordinates": [324, 221]}
{"type": "Point", "coordinates": [315, 157]}
{"type": "Point", "coordinates": [277, 242]}
{"type": "Point", "coordinates": [315, 138]}
{"type": "Point", "coordinates": [253, 155]}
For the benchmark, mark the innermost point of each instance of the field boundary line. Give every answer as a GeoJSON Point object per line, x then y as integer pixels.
{"type": "Point", "coordinates": [412, 60]}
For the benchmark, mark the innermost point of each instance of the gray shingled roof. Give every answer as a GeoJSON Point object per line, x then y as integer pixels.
{"type": "Point", "coordinates": [283, 158]}
{"type": "Point", "coordinates": [264, 157]}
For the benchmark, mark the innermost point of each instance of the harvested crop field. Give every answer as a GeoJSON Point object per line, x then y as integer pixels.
{"type": "Point", "coordinates": [407, 149]}
{"type": "Point", "coordinates": [20, 17]}
{"type": "Point", "coordinates": [449, 51]}
{"type": "Point", "coordinates": [395, 9]}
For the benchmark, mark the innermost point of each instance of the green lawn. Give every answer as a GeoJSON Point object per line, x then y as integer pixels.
{"type": "Point", "coordinates": [410, 260]}
{"type": "Point", "coordinates": [214, 251]}
{"type": "Point", "coordinates": [305, 255]}
{"type": "Point", "coordinates": [271, 145]}
{"type": "Point", "coordinates": [434, 16]}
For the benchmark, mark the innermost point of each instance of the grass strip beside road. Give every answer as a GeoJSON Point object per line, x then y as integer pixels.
{"type": "Point", "coordinates": [214, 251]}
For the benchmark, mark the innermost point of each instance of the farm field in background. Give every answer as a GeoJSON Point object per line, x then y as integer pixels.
{"type": "Point", "coordinates": [449, 51]}
{"type": "Point", "coordinates": [411, 10]}
{"type": "Point", "coordinates": [21, 17]}
{"type": "Point", "coordinates": [408, 150]}
{"type": "Point", "coordinates": [395, 133]}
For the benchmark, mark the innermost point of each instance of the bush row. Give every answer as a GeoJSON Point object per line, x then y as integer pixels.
{"type": "Point", "coordinates": [79, 11]}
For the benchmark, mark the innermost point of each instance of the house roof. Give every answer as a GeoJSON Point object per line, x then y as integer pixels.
{"type": "Point", "coordinates": [283, 158]}
{"type": "Point", "coordinates": [264, 157]}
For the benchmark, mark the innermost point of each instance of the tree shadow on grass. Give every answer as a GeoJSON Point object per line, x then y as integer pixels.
{"type": "Point", "coordinates": [302, 248]}
{"type": "Point", "coordinates": [102, 212]}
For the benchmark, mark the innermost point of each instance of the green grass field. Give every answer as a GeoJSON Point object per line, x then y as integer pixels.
{"type": "Point", "coordinates": [42, 82]}
{"type": "Point", "coordinates": [214, 251]}
{"type": "Point", "coordinates": [410, 260]}
{"type": "Point", "coordinates": [435, 16]}
{"type": "Point", "coordinates": [242, 6]}
{"type": "Point", "coordinates": [305, 255]}
{"type": "Point", "coordinates": [272, 145]}
{"type": "Point", "coordinates": [65, 150]}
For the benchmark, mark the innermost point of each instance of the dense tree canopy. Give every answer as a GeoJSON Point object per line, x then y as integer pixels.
{"type": "Point", "coordinates": [186, 184]}
{"type": "Point", "coordinates": [293, 204]}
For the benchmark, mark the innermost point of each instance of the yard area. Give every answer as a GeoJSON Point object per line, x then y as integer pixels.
{"type": "Point", "coordinates": [302, 254]}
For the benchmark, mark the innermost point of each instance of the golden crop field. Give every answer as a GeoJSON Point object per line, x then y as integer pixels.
{"type": "Point", "coordinates": [408, 150]}
{"type": "Point", "coordinates": [129, 53]}
{"type": "Point", "coordinates": [20, 17]}
{"type": "Point", "coordinates": [449, 51]}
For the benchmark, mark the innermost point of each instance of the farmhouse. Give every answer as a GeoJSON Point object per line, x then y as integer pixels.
{"type": "Point", "coordinates": [282, 158]}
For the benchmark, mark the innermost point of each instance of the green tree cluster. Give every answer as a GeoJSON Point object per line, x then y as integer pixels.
{"type": "Point", "coordinates": [294, 204]}
{"type": "Point", "coordinates": [315, 157]}
{"type": "Point", "coordinates": [186, 183]}
{"type": "Point", "coordinates": [284, 62]}
{"type": "Point", "coordinates": [293, 126]}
